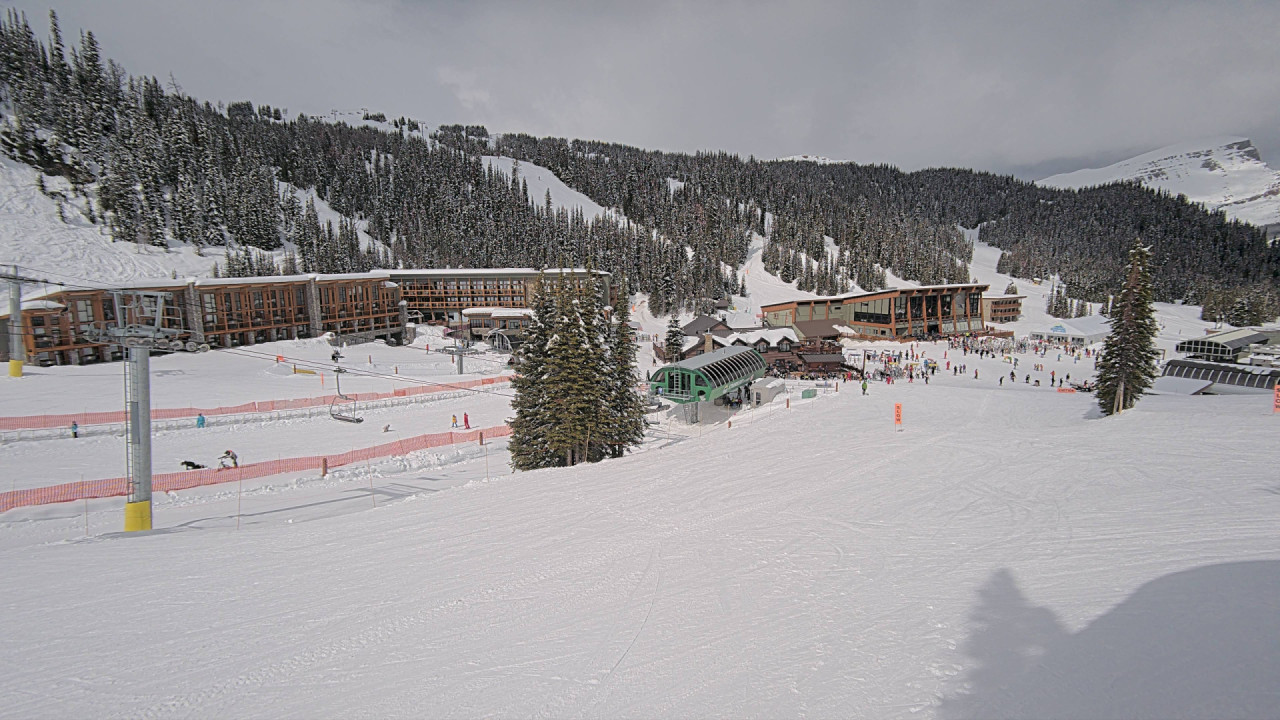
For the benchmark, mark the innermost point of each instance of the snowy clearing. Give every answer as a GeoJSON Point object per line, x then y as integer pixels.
{"type": "Point", "coordinates": [1008, 553]}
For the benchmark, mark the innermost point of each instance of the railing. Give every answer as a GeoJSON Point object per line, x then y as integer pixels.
{"type": "Point", "coordinates": [36, 422]}
{"type": "Point", "coordinates": [164, 482]}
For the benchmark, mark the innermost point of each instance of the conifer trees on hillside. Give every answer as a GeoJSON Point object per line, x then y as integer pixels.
{"type": "Point", "coordinates": [1127, 366]}
{"type": "Point", "coordinates": [575, 393]}
{"type": "Point", "coordinates": [162, 166]}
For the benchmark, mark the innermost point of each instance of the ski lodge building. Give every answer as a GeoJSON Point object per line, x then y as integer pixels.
{"type": "Point", "coordinates": [231, 312]}
{"type": "Point", "coordinates": [891, 314]}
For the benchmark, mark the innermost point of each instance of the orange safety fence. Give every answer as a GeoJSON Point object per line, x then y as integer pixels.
{"type": "Point", "coordinates": [40, 422]}
{"type": "Point", "coordinates": [163, 482]}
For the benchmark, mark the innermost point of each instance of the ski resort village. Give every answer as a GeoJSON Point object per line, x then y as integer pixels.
{"type": "Point", "coordinates": [346, 414]}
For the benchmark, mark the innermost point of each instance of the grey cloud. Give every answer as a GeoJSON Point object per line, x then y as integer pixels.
{"type": "Point", "coordinates": [1010, 87]}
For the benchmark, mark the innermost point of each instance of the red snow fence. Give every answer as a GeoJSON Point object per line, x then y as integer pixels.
{"type": "Point", "coordinates": [41, 422]}
{"type": "Point", "coordinates": [163, 482]}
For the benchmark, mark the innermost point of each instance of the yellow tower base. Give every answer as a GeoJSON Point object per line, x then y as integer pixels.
{"type": "Point", "coordinates": [137, 516]}
{"type": "Point", "coordinates": [15, 368]}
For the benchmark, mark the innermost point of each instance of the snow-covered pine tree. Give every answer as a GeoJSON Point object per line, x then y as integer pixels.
{"type": "Point", "coordinates": [624, 414]}
{"type": "Point", "coordinates": [1127, 366]}
{"type": "Point", "coordinates": [674, 341]}
{"type": "Point", "coordinates": [575, 374]}
{"type": "Point", "coordinates": [534, 415]}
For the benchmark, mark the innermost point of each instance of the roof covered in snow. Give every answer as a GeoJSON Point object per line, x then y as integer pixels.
{"type": "Point", "coordinates": [770, 335]}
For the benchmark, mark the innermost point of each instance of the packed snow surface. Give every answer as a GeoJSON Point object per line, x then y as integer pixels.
{"type": "Point", "coordinates": [1006, 554]}
{"type": "Point", "coordinates": [1223, 173]}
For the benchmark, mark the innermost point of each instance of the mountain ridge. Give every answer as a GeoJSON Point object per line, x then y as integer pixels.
{"type": "Point", "coordinates": [1223, 173]}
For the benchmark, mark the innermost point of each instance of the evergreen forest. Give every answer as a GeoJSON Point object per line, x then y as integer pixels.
{"type": "Point", "coordinates": [162, 167]}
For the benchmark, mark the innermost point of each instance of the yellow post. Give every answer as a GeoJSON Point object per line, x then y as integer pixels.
{"type": "Point", "coordinates": [15, 368]}
{"type": "Point", "coordinates": [137, 516]}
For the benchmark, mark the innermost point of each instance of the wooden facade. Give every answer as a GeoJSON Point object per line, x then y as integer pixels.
{"type": "Point", "coordinates": [931, 310]}
{"type": "Point", "coordinates": [1002, 308]}
{"type": "Point", "coordinates": [438, 297]}
{"type": "Point", "coordinates": [224, 313]}
{"type": "Point", "coordinates": [230, 312]}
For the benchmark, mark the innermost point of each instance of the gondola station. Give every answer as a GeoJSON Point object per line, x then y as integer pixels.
{"type": "Point", "coordinates": [708, 377]}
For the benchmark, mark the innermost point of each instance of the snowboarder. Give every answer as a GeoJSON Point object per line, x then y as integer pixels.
{"type": "Point", "coordinates": [200, 420]}
{"type": "Point", "coordinates": [466, 421]}
{"type": "Point", "coordinates": [228, 459]}
{"type": "Point", "coordinates": [336, 356]}
{"type": "Point", "coordinates": [75, 429]}
{"type": "Point", "coordinates": [455, 421]}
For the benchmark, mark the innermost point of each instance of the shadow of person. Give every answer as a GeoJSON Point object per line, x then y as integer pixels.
{"type": "Point", "coordinates": [1008, 637]}
{"type": "Point", "coordinates": [1201, 643]}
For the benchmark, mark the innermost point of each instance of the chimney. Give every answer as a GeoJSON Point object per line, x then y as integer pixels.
{"type": "Point", "coordinates": [708, 345]}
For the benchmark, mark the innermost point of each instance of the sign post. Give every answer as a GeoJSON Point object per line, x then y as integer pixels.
{"type": "Point", "coordinates": [897, 416]}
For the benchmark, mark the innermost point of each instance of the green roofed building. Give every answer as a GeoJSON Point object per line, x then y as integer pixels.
{"type": "Point", "coordinates": [709, 375]}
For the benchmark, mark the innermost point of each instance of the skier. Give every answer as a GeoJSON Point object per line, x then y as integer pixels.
{"type": "Point", "coordinates": [455, 421]}
{"type": "Point", "coordinates": [864, 386]}
{"type": "Point", "coordinates": [336, 356]}
{"type": "Point", "coordinates": [1001, 381]}
{"type": "Point", "coordinates": [466, 421]}
{"type": "Point", "coordinates": [75, 429]}
{"type": "Point", "coordinates": [975, 374]}
{"type": "Point", "coordinates": [200, 420]}
{"type": "Point", "coordinates": [228, 459]}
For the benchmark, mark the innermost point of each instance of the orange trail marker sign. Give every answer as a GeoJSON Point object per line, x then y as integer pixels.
{"type": "Point", "coordinates": [897, 415]}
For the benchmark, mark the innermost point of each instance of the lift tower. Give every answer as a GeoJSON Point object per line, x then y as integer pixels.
{"type": "Point", "coordinates": [139, 328]}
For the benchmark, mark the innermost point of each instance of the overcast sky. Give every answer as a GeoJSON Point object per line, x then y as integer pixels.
{"type": "Point", "coordinates": [1030, 88]}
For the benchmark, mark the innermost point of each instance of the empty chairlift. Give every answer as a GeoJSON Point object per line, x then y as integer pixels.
{"type": "Point", "coordinates": [344, 407]}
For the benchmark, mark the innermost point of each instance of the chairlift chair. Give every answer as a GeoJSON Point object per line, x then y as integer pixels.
{"type": "Point", "coordinates": [344, 407]}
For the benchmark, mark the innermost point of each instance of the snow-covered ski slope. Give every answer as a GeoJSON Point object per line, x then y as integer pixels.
{"type": "Point", "coordinates": [65, 247]}
{"type": "Point", "coordinates": [1007, 554]}
{"type": "Point", "coordinates": [1224, 173]}
{"type": "Point", "coordinates": [541, 181]}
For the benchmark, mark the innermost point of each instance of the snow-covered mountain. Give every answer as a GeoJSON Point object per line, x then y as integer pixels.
{"type": "Point", "coordinates": [820, 160]}
{"type": "Point", "coordinates": [1224, 173]}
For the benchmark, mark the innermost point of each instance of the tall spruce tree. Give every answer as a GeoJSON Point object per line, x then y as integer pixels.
{"type": "Point", "coordinates": [673, 343]}
{"type": "Point", "coordinates": [566, 409]}
{"type": "Point", "coordinates": [534, 418]}
{"type": "Point", "coordinates": [575, 374]}
{"type": "Point", "coordinates": [624, 414]}
{"type": "Point", "coordinates": [1127, 366]}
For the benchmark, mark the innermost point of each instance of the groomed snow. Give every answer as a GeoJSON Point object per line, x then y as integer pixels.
{"type": "Point", "coordinates": [1007, 554]}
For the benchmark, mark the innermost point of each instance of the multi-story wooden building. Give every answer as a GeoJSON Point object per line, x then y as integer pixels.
{"type": "Point", "coordinates": [890, 314]}
{"type": "Point", "coordinates": [439, 296]}
{"type": "Point", "coordinates": [229, 312]}
{"type": "Point", "coordinates": [1002, 308]}
{"type": "Point", "coordinates": [223, 313]}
